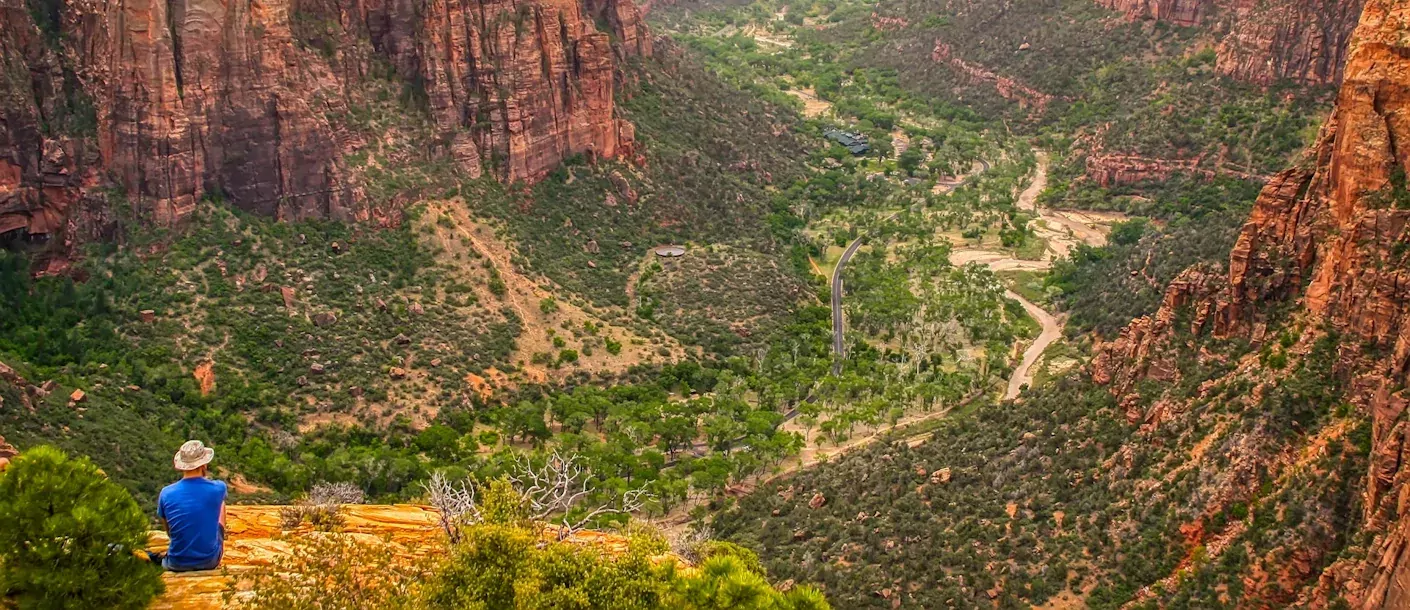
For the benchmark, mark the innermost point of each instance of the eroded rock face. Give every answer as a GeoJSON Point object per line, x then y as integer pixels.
{"type": "Point", "coordinates": [1264, 41]}
{"type": "Point", "coordinates": [1112, 169]}
{"type": "Point", "coordinates": [1009, 88]}
{"type": "Point", "coordinates": [43, 162]}
{"type": "Point", "coordinates": [1304, 41]}
{"type": "Point", "coordinates": [205, 96]}
{"type": "Point", "coordinates": [1179, 12]}
{"type": "Point", "coordinates": [246, 99]}
{"type": "Point", "coordinates": [514, 84]}
{"type": "Point", "coordinates": [1332, 237]}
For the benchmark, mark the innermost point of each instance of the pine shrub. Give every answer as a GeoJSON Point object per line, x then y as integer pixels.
{"type": "Point", "coordinates": [68, 535]}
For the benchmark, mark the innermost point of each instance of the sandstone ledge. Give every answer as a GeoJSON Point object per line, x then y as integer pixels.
{"type": "Point", "coordinates": [254, 538]}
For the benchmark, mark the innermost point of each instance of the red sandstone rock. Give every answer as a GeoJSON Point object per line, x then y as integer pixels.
{"type": "Point", "coordinates": [1264, 41]}
{"type": "Point", "coordinates": [1327, 225]}
{"type": "Point", "coordinates": [205, 376]}
{"type": "Point", "coordinates": [1113, 169]}
{"type": "Point", "coordinates": [1007, 87]}
{"type": "Point", "coordinates": [224, 96]}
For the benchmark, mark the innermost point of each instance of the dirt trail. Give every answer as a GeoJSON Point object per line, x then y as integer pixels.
{"type": "Point", "coordinates": [524, 294]}
{"type": "Point", "coordinates": [1052, 331]}
{"type": "Point", "coordinates": [1060, 243]}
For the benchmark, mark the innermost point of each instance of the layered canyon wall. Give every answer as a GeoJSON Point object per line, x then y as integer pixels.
{"type": "Point", "coordinates": [1264, 41]}
{"type": "Point", "coordinates": [1326, 249]}
{"type": "Point", "coordinates": [169, 101]}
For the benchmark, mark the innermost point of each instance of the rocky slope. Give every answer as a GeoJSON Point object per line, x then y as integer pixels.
{"type": "Point", "coordinates": [1264, 41]}
{"type": "Point", "coordinates": [1323, 258]}
{"type": "Point", "coordinates": [169, 102]}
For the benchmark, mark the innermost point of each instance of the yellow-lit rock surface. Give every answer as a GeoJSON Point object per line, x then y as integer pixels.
{"type": "Point", "coordinates": [254, 537]}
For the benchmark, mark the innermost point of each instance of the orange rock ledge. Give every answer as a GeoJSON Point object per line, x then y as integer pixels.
{"type": "Point", "coordinates": [255, 538]}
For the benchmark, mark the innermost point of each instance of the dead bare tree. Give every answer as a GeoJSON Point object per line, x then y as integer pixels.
{"type": "Point", "coordinates": [336, 493]}
{"type": "Point", "coordinates": [456, 503]}
{"type": "Point", "coordinates": [559, 486]}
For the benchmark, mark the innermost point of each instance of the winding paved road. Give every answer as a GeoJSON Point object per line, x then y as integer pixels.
{"type": "Point", "coordinates": [838, 346]}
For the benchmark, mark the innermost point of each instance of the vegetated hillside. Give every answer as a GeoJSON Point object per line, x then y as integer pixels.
{"type": "Point", "coordinates": [1184, 221]}
{"type": "Point", "coordinates": [1242, 447]}
{"type": "Point", "coordinates": [376, 350]}
{"type": "Point", "coordinates": [711, 158]}
{"type": "Point", "coordinates": [1137, 99]}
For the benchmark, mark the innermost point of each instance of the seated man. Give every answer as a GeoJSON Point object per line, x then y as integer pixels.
{"type": "Point", "coordinates": [193, 512]}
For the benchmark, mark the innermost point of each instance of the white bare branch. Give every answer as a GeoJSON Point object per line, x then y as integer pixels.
{"type": "Point", "coordinates": [456, 503]}
{"type": "Point", "coordinates": [335, 494]}
{"type": "Point", "coordinates": [560, 485]}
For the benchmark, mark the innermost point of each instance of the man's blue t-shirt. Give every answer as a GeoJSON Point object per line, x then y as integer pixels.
{"type": "Point", "coordinates": [191, 508]}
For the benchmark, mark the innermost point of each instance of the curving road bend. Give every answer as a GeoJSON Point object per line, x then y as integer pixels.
{"type": "Point", "coordinates": [1052, 331]}
{"type": "Point", "coordinates": [997, 261]}
{"type": "Point", "coordinates": [838, 346]}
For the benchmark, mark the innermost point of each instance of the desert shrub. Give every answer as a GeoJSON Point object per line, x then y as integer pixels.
{"type": "Point", "coordinates": [68, 536]}
{"type": "Point", "coordinates": [330, 573]}
{"type": "Point", "coordinates": [499, 566]}
{"type": "Point", "coordinates": [322, 507]}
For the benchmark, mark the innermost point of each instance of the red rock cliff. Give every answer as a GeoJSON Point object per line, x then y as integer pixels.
{"type": "Point", "coordinates": [1263, 41]}
{"type": "Point", "coordinates": [244, 97]}
{"type": "Point", "coordinates": [1332, 238]}
{"type": "Point", "coordinates": [1179, 12]}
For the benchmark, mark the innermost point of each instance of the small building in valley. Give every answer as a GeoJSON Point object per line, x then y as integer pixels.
{"type": "Point", "coordinates": [855, 143]}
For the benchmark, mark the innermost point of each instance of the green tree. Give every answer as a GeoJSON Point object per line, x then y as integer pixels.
{"type": "Point", "coordinates": [910, 160]}
{"type": "Point", "coordinates": [68, 534]}
{"type": "Point", "coordinates": [726, 582]}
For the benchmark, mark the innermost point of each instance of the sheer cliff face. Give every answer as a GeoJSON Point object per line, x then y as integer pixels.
{"type": "Point", "coordinates": [194, 97]}
{"type": "Point", "coordinates": [1331, 240]}
{"type": "Point", "coordinates": [1264, 41]}
{"type": "Point", "coordinates": [519, 83]}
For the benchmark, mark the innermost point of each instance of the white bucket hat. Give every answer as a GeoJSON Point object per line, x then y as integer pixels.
{"type": "Point", "coordinates": [193, 455]}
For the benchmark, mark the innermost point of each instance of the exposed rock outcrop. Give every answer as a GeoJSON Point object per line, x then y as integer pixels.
{"type": "Point", "coordinates": [1009, 88]}
{"type": "Point", "coordinates": [44, 160]}
{"type": "Point", "coordinates": [1263, 41]}
{"type": "Point", "coordinates": [1114, 169]}
{"type": "Point", "coordinates": [1331, 238]}
{"type": "Point", "coordinates": [7, 451]}
{"type": "Point", "coordinates": [256, 537]}
{"type": "Point", "coordinates": [174, 101]}
{"type": "Point", "coordinates": [1178, 12]}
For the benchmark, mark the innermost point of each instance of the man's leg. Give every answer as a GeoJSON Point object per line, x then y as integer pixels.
{"type": "Point", "coordinates": [209, 565]}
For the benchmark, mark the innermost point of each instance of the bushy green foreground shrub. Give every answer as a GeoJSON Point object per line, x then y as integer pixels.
{"type": "Point", "coordinates": [503, 566]}
{"type": "Point", "coordinates": [67, 535]}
